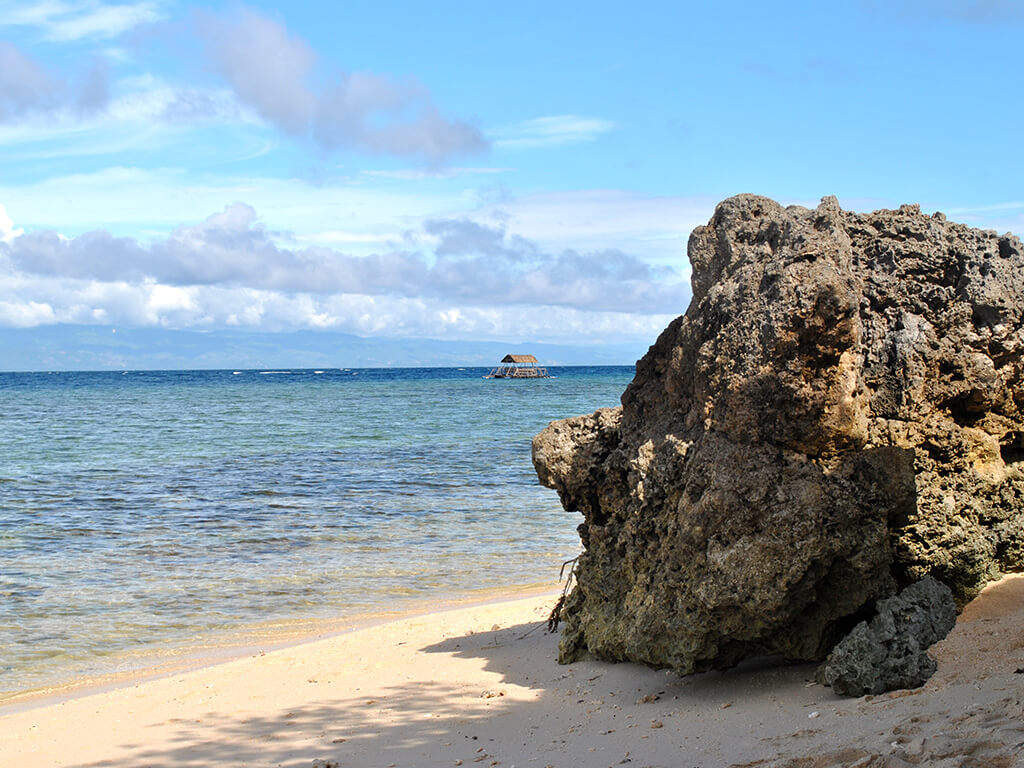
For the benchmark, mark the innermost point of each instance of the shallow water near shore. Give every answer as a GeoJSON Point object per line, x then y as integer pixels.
{"type": "Point", "coordinates": [171, 509]}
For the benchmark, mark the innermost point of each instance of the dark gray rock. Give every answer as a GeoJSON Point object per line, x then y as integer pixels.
{"type": "Point", "coordinates": [891, 652]}
{"type": "Point", "coordinates": [837, 415]}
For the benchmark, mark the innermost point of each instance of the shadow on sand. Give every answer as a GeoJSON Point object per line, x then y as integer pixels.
{"type": "Point", "coordinates": [583, 714]}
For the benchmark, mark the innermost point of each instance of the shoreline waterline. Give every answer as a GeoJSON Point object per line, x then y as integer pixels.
{"type": "Point", "coordinates": [146, 512]}
{"type": "Point", "coordinates": [481, 684]}
{"type": "Point", "coordinates": [257, 640]}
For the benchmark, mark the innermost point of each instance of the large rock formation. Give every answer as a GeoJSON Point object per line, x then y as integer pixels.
{"type": "Point", "coordinates": [837, 415]}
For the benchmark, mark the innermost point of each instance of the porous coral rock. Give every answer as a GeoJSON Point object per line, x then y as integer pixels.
{"type": "Point", "coordinates": [836, 416]}
{"type": "Point", "coordinates": [891, 651]}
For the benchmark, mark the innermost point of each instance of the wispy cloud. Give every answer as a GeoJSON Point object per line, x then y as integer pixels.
{"type": "Point", "coordinates": [66, 20]}
{"type": "Point", "coordinates": [552, 131]}
{"type": "Point", "coordinates": [994, 207]}
{"type": "Point", "coordinates": [272, 71]}
{"type": "Point", "coordinates": [418, 174]}
{"type": "Point", "coordinates": [149, 203]}
{"type": "Point", "coordinates": [977, 11]}
{"type": "Point", "coordinates": [269, 76]}
{"type": "Point", "coordinates": [1003, 217]}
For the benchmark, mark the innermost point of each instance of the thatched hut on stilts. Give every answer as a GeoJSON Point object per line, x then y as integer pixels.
{"type": "Point", "coordinates": [518, 367]}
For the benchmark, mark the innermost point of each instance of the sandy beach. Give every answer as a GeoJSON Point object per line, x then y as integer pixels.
{"type": "Point", "coordinates": [479, 685]}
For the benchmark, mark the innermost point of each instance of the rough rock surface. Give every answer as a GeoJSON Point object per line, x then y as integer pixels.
{"type": "Point", "coordinates": [837, 415]}
{"type": "Point", "coordinates": [891, 652]}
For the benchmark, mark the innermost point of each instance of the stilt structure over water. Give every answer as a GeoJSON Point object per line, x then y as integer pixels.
{"type": "Point", "coordinates": [518, 367]}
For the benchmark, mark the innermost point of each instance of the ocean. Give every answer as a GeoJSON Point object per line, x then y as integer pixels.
{"type": "Point", "coordinates": [156, 514]}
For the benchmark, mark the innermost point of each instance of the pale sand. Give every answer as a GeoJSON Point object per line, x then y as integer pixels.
{"type": "Point", "coordinates": [480, 685]}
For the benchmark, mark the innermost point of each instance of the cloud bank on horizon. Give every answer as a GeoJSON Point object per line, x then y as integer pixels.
{"type": "Point", "coordinates": [228, 271]}
{"type": "Point", "coordinates": [460, 172]}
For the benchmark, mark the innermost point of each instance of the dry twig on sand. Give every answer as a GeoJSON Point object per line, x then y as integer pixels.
{"type": "Point", "coordinates": [556, 613]}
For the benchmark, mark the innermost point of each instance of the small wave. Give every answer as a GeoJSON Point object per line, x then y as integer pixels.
{"type": "Point", "coordinates": [274, 373]}
{"type": "Point", "coordinates": [317, 371]}
{"type": "Point", "coordinates": [235, 373]}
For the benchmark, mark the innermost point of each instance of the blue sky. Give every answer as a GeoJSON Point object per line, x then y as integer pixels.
{"type": "Point", "coordinates": [523, 172]}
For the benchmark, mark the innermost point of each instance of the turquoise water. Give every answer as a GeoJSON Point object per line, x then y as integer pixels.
{"type": "Point", "coordinates": [152, 509]}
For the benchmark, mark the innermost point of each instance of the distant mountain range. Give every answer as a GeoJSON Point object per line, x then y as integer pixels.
{"type": "Point", "coordinates": [99, 348]}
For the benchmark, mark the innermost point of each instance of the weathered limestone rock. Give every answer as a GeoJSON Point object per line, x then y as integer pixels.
{"type": "Point", "coordinates": [891, 652]}
{"type": "Point", "coordinates": [836, 416]}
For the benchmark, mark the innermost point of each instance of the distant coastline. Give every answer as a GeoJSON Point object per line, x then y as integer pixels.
{"type": "Point", "coordinates": [106, 348]}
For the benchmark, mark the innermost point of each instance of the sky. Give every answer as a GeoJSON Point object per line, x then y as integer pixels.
{"type": "Point", "coordinates": [481, 172]}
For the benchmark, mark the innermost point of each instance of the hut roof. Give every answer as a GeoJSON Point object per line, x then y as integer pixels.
{"type": "Point", "coordinates": [519, 359]}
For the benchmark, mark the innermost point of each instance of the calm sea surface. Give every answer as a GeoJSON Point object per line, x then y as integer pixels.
{"type": "Point", "coordinates": [162, 509]}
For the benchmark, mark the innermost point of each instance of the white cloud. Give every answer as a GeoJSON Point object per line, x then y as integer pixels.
{"type": "Point", "coordinates": [26, 314]}
{"type": "Point", "coordinates": [7, 230]}
{"type": "Point", "coordinates": [27, 89]}
{"type": "Point", "coordinates": [272, 71]}
{"type": "Point", "coordinates": [552, 131]}
{"type": "Point", "coordinates": [133, 305]}
{"type": "Point", "coordinates": [24, 85]}
{"type": "Point", "coordinates": [268, 68]}
{"type": "Point", "coordinates": [476, 281]}
{"type": "Point", "coordinates": [145, 203]}
{"type": "Point", "coordinates": [271, 77]}
{"type": "Point", "coordinates": [65, 21]}
{"type": "Point", "coordinates": [470, 263]}
{"type": "Point", "coordinates": [28, 302]}
{"type": "Point", "coordinates": [142, 114]}
{"type": "Point", "coordinates": [1002, 217]}
{"type": "Point", "coordinates": [656, 227]}
{"type": "Point", "coordinates": [164, 298]}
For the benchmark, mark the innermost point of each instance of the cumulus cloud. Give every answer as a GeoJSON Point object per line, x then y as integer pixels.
{"type": "Point", "coordinates": [7, 230]}
{"type": "Point", "coordinates": [26, 314]}
{"type": "Point", "coordinates": [467, 261]}
{"type": "Point", "coordinates": [474, 260]}
{"type": "Point", "coordinates": [27, 89]}
{"type": "Point", "coordinates": [467, 279]}
{"type": "Point", "coordinates": [271, 71]}
{"type": "Point", "coordinates": [148, 305]}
